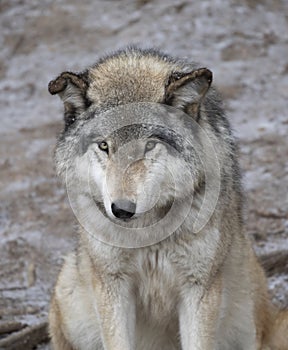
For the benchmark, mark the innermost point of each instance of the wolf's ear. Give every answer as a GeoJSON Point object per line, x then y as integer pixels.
{"type": "Point", "coordinates": [187, 90]}
{"type": "Point", "coordinates": [72, 90]}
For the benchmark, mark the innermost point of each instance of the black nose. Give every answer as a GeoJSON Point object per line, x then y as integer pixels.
{"type": "Point", "coordinates": [123, 209]}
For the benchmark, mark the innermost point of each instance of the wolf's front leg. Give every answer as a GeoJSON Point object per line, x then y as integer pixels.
{"type": "Point", "coordinates": [198, 315]}
{"type": "Point", "coordinates": [115, 306]}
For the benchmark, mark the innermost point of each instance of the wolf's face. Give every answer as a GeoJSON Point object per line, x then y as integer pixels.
{"type": "Point", "coordinates": [133, 146]}
{"type": "Point", "coordinates": [133, 176]}
{"type": "Point", "coordinates": [134, 168]}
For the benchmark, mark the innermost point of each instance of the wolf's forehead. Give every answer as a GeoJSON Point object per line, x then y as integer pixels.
{"type": "Point", "coordinates": [131, 132]}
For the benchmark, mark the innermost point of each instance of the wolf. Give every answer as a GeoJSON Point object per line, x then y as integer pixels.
{"type": "Point", "coordinates": [162, 262]}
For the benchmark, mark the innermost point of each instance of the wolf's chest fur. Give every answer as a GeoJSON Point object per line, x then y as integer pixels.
{"type": "Point", "coordinates": [159, 274]}
{"type": "Point", "coordinates": [155, 287]}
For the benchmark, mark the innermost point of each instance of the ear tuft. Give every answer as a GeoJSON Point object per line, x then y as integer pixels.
{"type": "Point", "coordinates": [57, 85]}
{"type": "Point", "coordinates": [60, 83]}
{"type": "Point", "coordinates": [184, 89]}
{"type": "Point", "coordinates": [72, 90]}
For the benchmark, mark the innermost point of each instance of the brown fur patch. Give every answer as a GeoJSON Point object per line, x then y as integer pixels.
{"type": "Point", "coordinates": [134, 174]}
{"type": "Point", "coordinates": [123, 79]}
{"type": "Point", "coordinates": [279, 332]}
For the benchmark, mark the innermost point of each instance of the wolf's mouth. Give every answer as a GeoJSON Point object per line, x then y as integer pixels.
{"type": "Point", "coordinates": [131, 217]}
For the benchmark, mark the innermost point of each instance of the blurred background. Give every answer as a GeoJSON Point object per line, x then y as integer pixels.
{"type": "Point", "coordinates": [245, 44]}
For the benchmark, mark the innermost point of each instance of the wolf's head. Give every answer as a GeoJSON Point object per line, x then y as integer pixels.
{"type": "Point", "coordinates": [128, 146]}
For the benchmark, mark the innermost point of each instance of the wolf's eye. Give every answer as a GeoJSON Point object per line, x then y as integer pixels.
{"type": "Point", "coordinates": [149, 146]}
{"type": "Point", "coordinates": [103, 146]}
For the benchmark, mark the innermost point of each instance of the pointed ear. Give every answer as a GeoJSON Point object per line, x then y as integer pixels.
{"type": "Point", "coordinates": [72, 90]}
{"type": "Point", "coordinates": [187, 90]}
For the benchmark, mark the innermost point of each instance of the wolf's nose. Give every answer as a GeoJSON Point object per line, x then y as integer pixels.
{"type": "Point", "coordinates": [123, 209]}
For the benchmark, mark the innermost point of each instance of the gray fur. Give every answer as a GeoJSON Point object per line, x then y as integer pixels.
{"type": "Point", "coordinates": [197, 286]}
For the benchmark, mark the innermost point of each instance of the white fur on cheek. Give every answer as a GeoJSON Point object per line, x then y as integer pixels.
{"type": "Point", "coordinates": [98, 179]}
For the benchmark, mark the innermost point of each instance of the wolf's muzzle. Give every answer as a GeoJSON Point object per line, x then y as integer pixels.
{"type": "Point", "coordinates": [123, 209]}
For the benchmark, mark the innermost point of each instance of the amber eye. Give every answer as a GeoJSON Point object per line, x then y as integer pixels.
{"type": "Point", "coordinates": [103, 146]}
{"type": "Point", "coordinates": [149, 146]}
